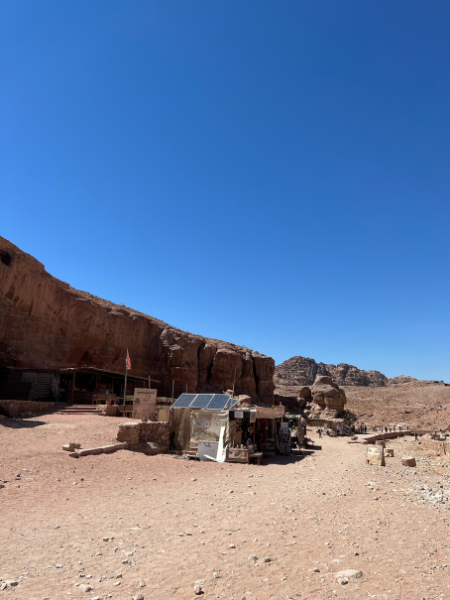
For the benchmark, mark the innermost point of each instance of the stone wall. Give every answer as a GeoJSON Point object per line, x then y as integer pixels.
{"type": "Point", "coordinates": [155, 432]}
{"type": "Point", "coordinates": [24, 408]}
{"type": "Point", "coordinates": [393, 434]}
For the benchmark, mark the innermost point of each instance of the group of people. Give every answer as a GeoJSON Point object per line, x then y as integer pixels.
{"type": "Point", "coordinates": [391, 429]}
{"type": "Point", "coordinates": [328, 431]}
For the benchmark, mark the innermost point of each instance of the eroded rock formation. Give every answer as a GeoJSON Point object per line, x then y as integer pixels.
{"type": "Point", "coordinates": [300, 371]}
{"type": "Point", "coordinates": [44, 323]}
{"type": "Point", "coordinates": [328, 400]}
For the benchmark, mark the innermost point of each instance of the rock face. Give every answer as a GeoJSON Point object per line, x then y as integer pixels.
{"type": "Point", "coordinates": [328, 400]}
{"type": "Point", "coordinates": [401, 379]}
{"type": "Point", "coordinates": [299, 371]}
{"type": "Point", "coordinates": [44, 323]}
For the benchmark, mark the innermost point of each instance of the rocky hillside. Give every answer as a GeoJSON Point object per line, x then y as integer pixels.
{"type": "Point", "coordinates": [44, 323]}
{"type": "Point", "coordinates": [299, 371]}
{"type": "Point", "coordinates": [422, 404]}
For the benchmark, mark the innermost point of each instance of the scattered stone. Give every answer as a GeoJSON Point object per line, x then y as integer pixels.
{"type": "Point", "coordinates": [350, 573]}
{"type": "Point", "coordinates": [117, 583]}
{"type": "Point", "coordinates": [142, 583]}
{"type": "Point", "coordinates": [343, 580]}
{"type": "Point", "coordinates": [198, 590]}
{"type": "Point", "coordinates": [216, 575]}
{"type": "Point", "coordinates": [231, 546]}
{"type": "Point", "coordinates": [408, 461]}
{"type": "Point", "coordinates": [84, 587]}
{"type": "Point", "coordinates": [138, 597]}
{"type": "Point", "coordinates": [266, 559]}
{"type": "Point", "coordinates": [252, 557]}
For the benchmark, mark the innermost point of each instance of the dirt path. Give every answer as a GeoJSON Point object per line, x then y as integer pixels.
{"type": "Point", "coordinates": [178, 522]}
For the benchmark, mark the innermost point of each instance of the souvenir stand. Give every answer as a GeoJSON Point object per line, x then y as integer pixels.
{"type": "Point", "coordinates": [214, 427]}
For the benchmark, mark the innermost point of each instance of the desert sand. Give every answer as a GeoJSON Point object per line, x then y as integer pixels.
{"type": "Point", "coordinates": [127, 524]}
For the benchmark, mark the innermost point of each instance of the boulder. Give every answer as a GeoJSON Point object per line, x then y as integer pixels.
{"type": "Point", "coordinates": [328, 400]}
{"type": "Point", "coordinates": [408, 461]}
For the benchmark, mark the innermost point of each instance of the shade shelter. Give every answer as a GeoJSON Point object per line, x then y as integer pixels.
{"type": "Point", "coordinates": [200, 418]}
{"type": "Point", "coordinates": [187, 404]}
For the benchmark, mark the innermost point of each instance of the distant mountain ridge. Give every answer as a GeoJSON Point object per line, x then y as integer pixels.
{"type": "Point", "coordinates": [299, 371]}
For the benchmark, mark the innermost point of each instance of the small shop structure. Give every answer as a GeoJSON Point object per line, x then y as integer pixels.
{"type": "Point", "coordinates": [75, 385]}
{"type": "Point", "coordinates": [90, 385]}
{"type": "Point", "coordinates": [217, 427]}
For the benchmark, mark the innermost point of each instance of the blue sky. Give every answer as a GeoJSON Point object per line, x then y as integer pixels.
{"type": "Point", "coordinates": [271, 173]}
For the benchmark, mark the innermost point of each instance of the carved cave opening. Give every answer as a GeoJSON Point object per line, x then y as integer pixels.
{"type": "Point", "coordinates": [5, 257]}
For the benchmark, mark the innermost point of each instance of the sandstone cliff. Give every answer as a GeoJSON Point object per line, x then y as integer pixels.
{"type": "Point", "coordinates": [44, 323]}
{"type": "Point", "coordinates": [300, 371]}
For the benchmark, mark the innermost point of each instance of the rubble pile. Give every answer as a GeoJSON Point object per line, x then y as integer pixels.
{"type": "Point", "coordinates": [425, 494]}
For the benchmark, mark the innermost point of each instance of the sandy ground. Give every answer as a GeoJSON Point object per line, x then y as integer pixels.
{"type": "Point", "coordinates": [179, 522]}
{"type": "Point", "coordinates": [419, 404]}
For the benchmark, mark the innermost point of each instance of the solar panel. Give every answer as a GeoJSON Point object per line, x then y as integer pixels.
{"type": "Point", "coordinates": [205, 401]}
{"type": "Point", "coordinates": [201, 401]}
{"type": "Point", "coordinates": [184, 401]}
{"type": "Point", "coordinates": [219, 402]}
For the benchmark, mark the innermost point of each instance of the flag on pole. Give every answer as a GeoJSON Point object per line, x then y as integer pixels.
{"type": "Point", "coordinates": [128, 362]}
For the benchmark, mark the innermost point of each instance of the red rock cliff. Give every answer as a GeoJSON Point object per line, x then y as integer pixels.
{"type": "Point", "coordinates": [44, 323]}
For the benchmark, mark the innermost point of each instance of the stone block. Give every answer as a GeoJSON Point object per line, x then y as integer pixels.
{"type": "Point", "coordinates": [113, 448]}
{"type": "Point", "coordinates": [90, 451]}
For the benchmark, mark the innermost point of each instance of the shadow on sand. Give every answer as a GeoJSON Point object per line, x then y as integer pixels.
{"type": "Point", "coordinates": [295, 457]}
{"type": "Point", "coordinates": [19, 424]}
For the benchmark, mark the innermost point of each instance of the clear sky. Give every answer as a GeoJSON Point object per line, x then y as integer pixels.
{"type": "Point", "coordinates": [271, 173]}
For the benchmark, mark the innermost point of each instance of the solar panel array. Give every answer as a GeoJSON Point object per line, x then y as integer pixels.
{"type": "Point", "coordinates": [205, 401]}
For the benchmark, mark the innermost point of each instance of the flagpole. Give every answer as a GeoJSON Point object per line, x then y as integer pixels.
{"type": "Point", "coordinates": [125, 388]}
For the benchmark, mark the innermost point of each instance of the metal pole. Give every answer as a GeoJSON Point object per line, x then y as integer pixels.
{"type": "Point", "coordinates": [149, 382]}
{"type": "Point", "coordinates": [186, 388]}
{"type": "Point", "coordinates": [231, 401]}
{"type": "Point", "coordinates": [173, 388]}
{"type": "Point", "coordinates": [125, 387]}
